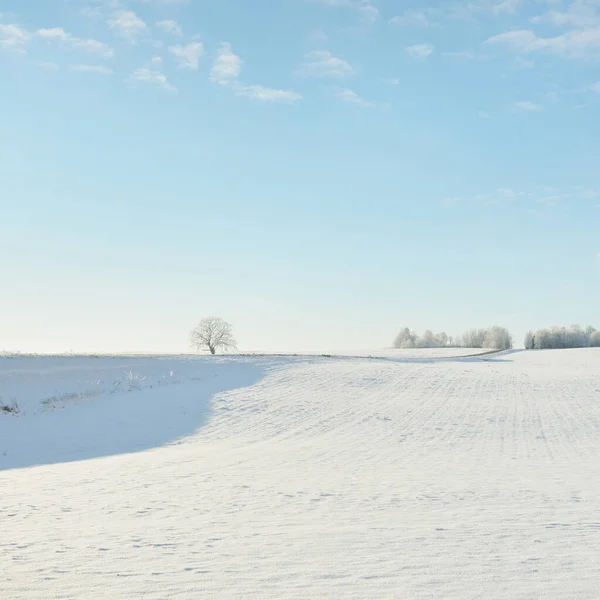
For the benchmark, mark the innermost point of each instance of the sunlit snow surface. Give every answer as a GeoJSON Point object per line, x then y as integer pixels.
{"type": "Point", "coordinates": [301, 477]}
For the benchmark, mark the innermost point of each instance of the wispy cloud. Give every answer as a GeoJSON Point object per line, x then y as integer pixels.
{"type": "Point", "coordinates": [391, 81]}
{"type": "Point", "coordinates": [97, 69]}
{"type": "Point", "coordinates": [57, 34]}
{"type": "Point", "coordinates": [369, 13]}
{"type": "Point", "coordinates": [266, 94]}
{"type": "Point", "coordinates": [580, 13]}
{"type": "Point", "coordinates": [420, 51]}
{"type": "Point", "coordinates": [157, 60]}
{"type": "Point", "coordinates": [188, 56]}
{"type": "Point", "coordinates": [472, 9]}
{"type": "Point", "coordinates": [321, 63]}
{"type": "Point", "coordinates": [163, 2]}
{"type": "Point", "coordinates": [411, 18]}
{"type": "Point", "coordinates": [504, 7]}
{"type": "Point", "coordinates": [527, 106]}
{"type": "Point", "coordinates": [127, 25]}
{"type": "Point", "coordinates": [13, 37]}
{"type": "Point", "coordinates": [226, 71]}
{"type": "Point", "coordinates": [365, 8]}
{"type": "Point", "coordinates": [151, 77]}
{"type": "Point", "coordinates": [227, 66]}
{"type": "Point", "coordinates": [577, 43]}
{"type": "Point", "coordinates": [595, 87]}
{"type": "Point", "coordinates": [171, 27]}
{"type": "Point", "coordinates": [548, 196]}
{"type": "Point", "coordinates": [482, 114]}
{"type": "Point", "coordinates": [351, 97]}
{"type": "Point", "coordinates": [92, 12]}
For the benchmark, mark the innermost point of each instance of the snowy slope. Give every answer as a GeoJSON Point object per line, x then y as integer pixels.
{"type": "Point", "coordinates": [302, 478]}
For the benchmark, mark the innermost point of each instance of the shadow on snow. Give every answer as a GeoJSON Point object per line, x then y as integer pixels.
{"type": "Point", "coordinates": [123, 422]}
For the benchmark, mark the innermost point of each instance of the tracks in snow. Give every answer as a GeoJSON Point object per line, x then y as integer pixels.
{"type": "Point", "coordinates": [336, 479]}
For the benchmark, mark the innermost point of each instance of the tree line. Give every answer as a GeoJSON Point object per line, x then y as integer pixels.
{"type": "Point", "coordinates": [496, 338]}
{"type": "Point", "coordinates": [574, 336]}
{"type": "Point", "coordinates": [215, 334]}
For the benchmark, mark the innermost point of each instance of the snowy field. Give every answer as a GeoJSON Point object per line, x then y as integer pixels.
{"type": "Point", "coordinates": [387, 353]}
{"type": "Point", "coordinates": [301, 477]}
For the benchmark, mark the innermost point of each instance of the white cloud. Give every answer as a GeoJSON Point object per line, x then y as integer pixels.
{"type": "Point", "coordinates": [13, 37]}
{"type": "Point", "coordinates": [157, 78]}
{"type": "Point", "coordinates": [57, 34]}
{"type": "Point", "coordinates": [227, 66]}
{"type": "Point", "coordinates": [391, 81]}
{"type": "Point", "coordinates": [171, 27]}
{"type": "Point", "coordinates": [595, 87]}
{"type": "Point", "coordinates": [188, 56]}
{"type": "Point", "coordinates": [128, 25]}
{"type": "Point", "coordinates": [411, 18]}
{"type": "Point", "coordinates": [527, 106]}
{"type": "Point", "coordinates": [156, 60]}
{"type": "Point", "coordinates": [266, 94]}
{"type": "Point", "coordinates": [351, 97]}
{"type": "Point", "coordinates": [420, 51]}
{"type": "Point", "coordinates": [369, 13]}
{"type": "Point", "coordinates": [472, 8]}
{"type": "Point", "coordinates": [226, 70]}
{"type": "Point", "coordinates": [321, 63]}
{"type": "Point", "coordinates": [581, 13]}
{"type": "Point", "coordinates": [579, 43]}
{"type": "Point", "coordinates": [92, 69]}
{"type": "Point", "coordinates": [506, 7]}
{"type": "Point", "coordinates": [482, 114]}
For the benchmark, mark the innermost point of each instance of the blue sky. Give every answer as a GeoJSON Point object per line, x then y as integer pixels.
{"type": "Point", "coordinates": [319, 173]}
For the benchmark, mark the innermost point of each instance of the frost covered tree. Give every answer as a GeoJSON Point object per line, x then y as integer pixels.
{"type": "Point", "coordinates": [409, 339]}
{"type": "Point", "coordinates": [498, 338]}
{"type": "Point", "coordinates": [428, 340]}
{"type": "Point", "coordinates": [405, 338]}
{"type": "Point", "coordinates": [474, 338]}
{"type": "Point", "coordinates": [595, 339]}
{"type": "Point", "coordinates": [561, 337]}
{"type": "Point", "coordinates": [213, 334]}
{"type": "Point", "coordinates": [442, 340]}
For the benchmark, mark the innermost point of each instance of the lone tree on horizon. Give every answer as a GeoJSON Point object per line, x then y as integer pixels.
{"type": "Point", "coordinates": [212, 334]}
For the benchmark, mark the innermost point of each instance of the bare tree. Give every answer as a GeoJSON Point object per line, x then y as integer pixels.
{"type": "Point", "coordinates": [213, 334]}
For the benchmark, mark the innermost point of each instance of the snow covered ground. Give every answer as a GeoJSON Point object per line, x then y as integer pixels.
{"type": "Point", "coordinates": [386, 353]}
{"type": "Point", "coordinates": [301, 477]}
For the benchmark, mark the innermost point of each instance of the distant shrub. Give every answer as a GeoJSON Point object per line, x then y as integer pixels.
{"type": "Point", "coordinates": [562, 337]}
{"type": "Point", "coordinates": [12, 408]}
